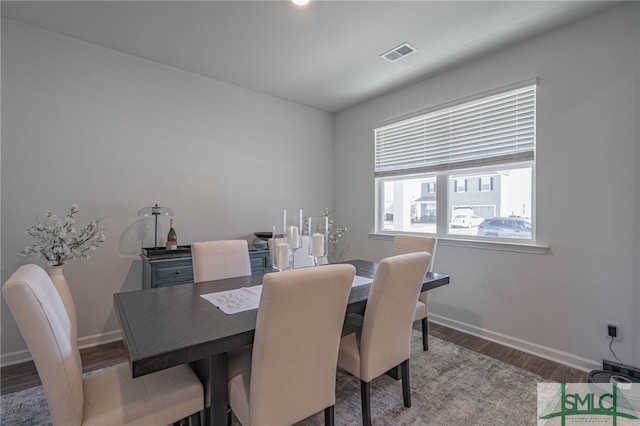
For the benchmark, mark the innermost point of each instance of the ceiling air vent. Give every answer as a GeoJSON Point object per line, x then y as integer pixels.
{"type": "Point", "coordinates": [398, 52]}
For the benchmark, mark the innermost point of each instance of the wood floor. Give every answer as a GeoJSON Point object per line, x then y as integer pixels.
{"type": "Point", "coordinates": [545, 368]}
{"type": "Point", "coordinates": [23, 376]}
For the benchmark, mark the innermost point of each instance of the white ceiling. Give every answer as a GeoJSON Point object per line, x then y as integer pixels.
{"type": "Point", "coordinates": [324, 55]}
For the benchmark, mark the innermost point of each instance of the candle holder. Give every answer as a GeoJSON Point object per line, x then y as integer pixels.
{"type": "Point", "coordinates": [318, 231]}
{"type": "Point", "coordinates": [286, 241]}
{"type": "Point", "coordinates": [295, 230]}
{"type": "Point", "coordinates": [279, 250]}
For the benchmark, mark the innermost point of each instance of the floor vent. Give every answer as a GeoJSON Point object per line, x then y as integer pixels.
{"type": "Point", "coordinates": [398, 52]}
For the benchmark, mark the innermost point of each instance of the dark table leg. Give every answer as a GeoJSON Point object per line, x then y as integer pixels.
{"type": "Point", "coordinates": [212, 373]}
{"type": "Point", "coordinates": [219, 405]}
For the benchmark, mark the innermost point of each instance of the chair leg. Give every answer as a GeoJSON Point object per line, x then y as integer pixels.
{"type": "Point", "coordinates": [329, 416]}
{"type": "Point", "coordinates": [365, 391]}
{"type": "Point", "coordinates": [406, 390]}
{"type": "Point", "coordinates": [194, 420]}
{"type": "Point", "coordinates": [425, 332]}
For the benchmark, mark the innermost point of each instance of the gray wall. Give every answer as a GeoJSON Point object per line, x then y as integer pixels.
{"type": "Point", "coordinates": [114, 133]}
{"type": "Point", "coordinates": [587, 186]}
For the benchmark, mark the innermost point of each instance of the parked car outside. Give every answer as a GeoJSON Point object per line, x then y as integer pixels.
{"type": "Point", "coordinates": [465, 221]}
{"type": "Point", "coordinates": [506, 227]}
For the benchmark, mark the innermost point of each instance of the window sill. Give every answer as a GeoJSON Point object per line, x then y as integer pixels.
{"type": "Point", "coordinates": [477, 244]}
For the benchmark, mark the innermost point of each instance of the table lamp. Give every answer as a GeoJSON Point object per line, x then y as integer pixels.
{"type": "Point", "coordinates": [155, 211]}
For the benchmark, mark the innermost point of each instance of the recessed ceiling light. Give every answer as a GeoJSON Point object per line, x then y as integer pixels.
{"type": "Point", "coordinates": [398, 52]}
{"type": "Point", "coordinates": [301, 2]}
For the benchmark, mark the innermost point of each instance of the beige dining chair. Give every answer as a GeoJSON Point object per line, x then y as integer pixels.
{"type": "Point", "coordinates": [106, 397]}
{"type": "Point", "coordinates": [290, 373]}
{"type": "Point", "coordinates": [301, 257]}
{"type": "Point", "coordinates": [217, 260]}
{"type": "Point", "coordinates": [403, 244]}
{"type": "Point", "coordinates": [381, 340]}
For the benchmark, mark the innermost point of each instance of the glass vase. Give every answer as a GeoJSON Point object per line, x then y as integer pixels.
{"type": "Point", "coordinates": [318, 231]}
{"type": "Point", "coordinates": [60, 283]}
{"type": "Point", "coordinates": [279, 246]}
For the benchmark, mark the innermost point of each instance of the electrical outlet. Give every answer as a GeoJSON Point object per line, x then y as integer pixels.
{"type": "Point", "coordinates": [612, 330]}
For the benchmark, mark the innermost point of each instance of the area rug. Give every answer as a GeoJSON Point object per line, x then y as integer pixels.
{"type": "Point", "coordinates": [450, 385]}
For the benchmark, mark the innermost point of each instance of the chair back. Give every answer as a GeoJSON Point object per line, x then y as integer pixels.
{"type": "Point", "coordinates": [46, 328]}
{"type": "Point", "coordinates": [403, 244]}
{"type": "Point", "coordinates": [295, 349]}
{"type": "Point", "coordinates": [216, 260]}
{"type": "Point", "coordinates": [386, 330]}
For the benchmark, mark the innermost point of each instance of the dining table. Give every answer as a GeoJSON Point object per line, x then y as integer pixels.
{"type": "Point", "coordinates": [168, 326]}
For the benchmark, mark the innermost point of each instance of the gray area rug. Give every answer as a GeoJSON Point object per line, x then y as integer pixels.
{"type": "Point", "coordinates": [450, 385]}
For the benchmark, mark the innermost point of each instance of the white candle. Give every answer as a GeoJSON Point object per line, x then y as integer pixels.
{"type": "Point", "coordinates": [282, 255]}
{"type": "Point", "coordinates": [294, 238]}
{"type": "Point", "coordinates": [317, 241]}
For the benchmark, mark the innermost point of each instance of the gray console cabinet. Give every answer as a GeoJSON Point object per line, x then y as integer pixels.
{"type": "Point", "coordinates": [164, 269]}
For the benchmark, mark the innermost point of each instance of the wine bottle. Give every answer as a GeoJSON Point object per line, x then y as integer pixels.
{"type": "Point", "coordinates": [172, 238]}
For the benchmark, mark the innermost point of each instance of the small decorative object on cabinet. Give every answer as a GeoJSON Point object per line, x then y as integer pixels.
{"type": "Point", "coordinates": [162, 267]}
{"type": "Point", "coordinates": [172, 237]}
{"type": "Point", "coordinates": [155, 211]}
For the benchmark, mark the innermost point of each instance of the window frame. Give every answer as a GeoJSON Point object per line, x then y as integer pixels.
{"type": "Point", "coordinates": [443, 209]}
{"type": "Point", "coordinates": [480, 184]}
{"type": "Point", "coordinates": [461, 189]}
{"type": "Point", "coordinates": [442, 178]}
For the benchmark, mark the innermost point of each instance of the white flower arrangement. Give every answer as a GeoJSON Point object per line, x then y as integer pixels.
{"type": "Point", "coordinates": [334, 233]}
{"type": "Point", "coordinates": [58, 241]}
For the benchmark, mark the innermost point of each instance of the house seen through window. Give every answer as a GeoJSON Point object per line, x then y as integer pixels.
{"type": "Point", "coordinates": [462, 171]}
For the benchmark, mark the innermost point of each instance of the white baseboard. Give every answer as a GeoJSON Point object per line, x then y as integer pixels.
{"type": "Point", "coordinates": [84, 342]}
{"type": "Point", "coordinates": [560, 357]}
{"type": "Point", "coordinates": [550, 354]}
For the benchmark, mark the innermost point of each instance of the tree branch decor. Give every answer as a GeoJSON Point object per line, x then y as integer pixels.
{"type": "Point", "coordinates": [59, 241]}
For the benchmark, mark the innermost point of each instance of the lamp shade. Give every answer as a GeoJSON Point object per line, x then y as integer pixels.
{"type": "Point", "coordinates": [155, 211]}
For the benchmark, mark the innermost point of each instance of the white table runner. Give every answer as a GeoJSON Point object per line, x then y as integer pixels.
{"type": "Point", "coordinates": [358, 280]}
{"type": "Point", "coordinates": [247, 298]}
{"type": "Point", "coordinates": [237, 300]}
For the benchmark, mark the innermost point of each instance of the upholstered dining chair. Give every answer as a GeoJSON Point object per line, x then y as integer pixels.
{"type": "Point", "coordinates": [290, 373]}
{"type": "Point", "coordinates": [107, 397]}
{"type": "Point", "coordinates": [216, 260]}
{"type": "Point", "coordinates": [301, 257]}
{"type": "Point", "coordinates": [381, 340]}
{"type": "Point", "coordinates": [403, 244]}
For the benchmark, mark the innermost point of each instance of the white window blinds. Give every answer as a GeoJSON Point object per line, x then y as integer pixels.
{"type": "Point", "coordinates": [493, 130]}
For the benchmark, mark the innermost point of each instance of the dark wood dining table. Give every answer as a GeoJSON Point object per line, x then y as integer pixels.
{"type": "Point", "coordinates": [167, 326]}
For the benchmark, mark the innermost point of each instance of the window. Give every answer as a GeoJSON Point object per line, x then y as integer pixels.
{"type": "Point", "coordinates": [472, 160]}
{"type": "Point", "coordinates": [430, 188]}
{"type": "Point", "coordinates": [485, 184]}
